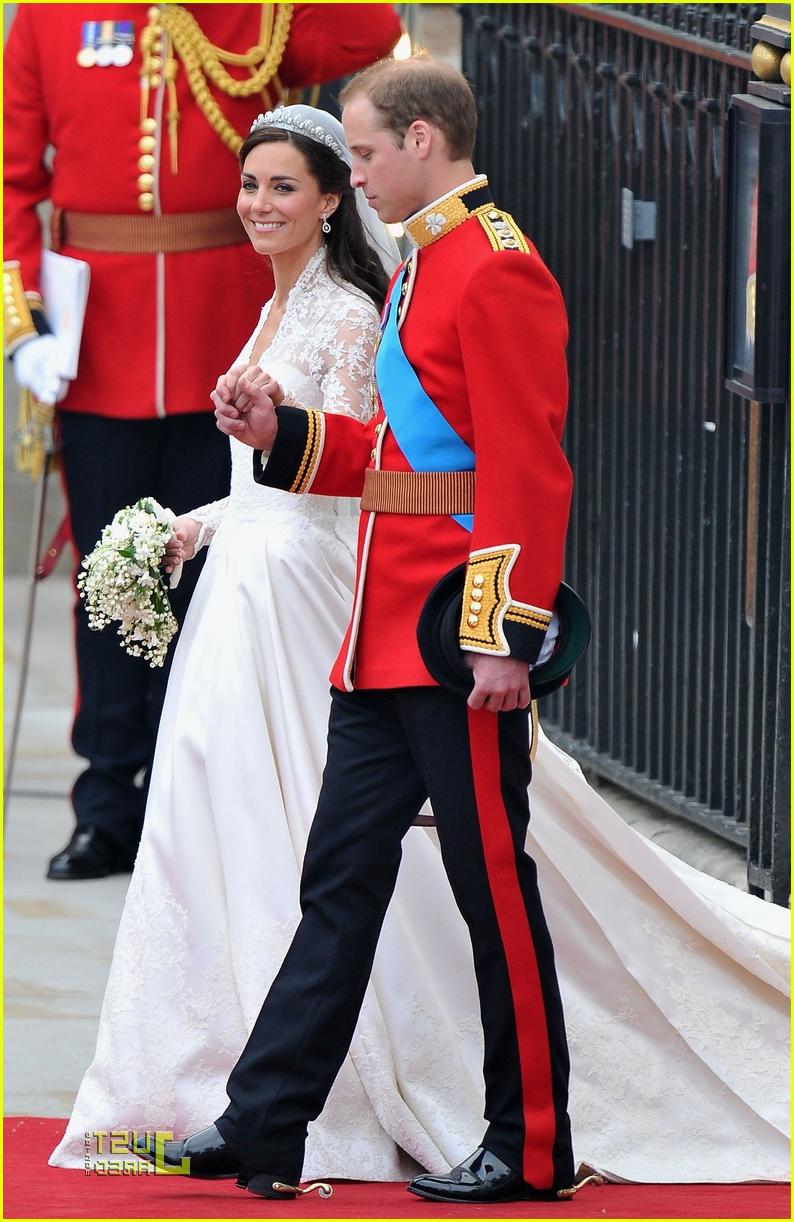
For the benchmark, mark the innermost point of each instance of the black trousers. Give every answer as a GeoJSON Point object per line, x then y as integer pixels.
{"type": "Point", "coordinates": [387, 752]}
{"type": "Point", "coordinates": [182, 461]}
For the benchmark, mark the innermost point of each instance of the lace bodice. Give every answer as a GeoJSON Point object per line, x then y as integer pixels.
{"type": "Point", "coordinates": [322, 355]}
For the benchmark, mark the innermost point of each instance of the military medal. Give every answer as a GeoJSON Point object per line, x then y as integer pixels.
{"type": "Point", "coordinates": [86, 56]}
{"type": "Point", "coordinates": [123, 39]}
{"type": "Point", "coordinates": [104, 55]}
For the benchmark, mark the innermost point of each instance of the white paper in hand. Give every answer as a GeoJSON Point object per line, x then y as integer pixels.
{"type": "Point", "coordinates": [64, 286]}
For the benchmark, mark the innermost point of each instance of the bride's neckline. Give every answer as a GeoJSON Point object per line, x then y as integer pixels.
{"type": "Point", "coordinates": [309, 274]}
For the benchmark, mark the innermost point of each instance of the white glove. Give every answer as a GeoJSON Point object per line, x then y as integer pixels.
{"type": "Point", "coordinates": [36, 366]}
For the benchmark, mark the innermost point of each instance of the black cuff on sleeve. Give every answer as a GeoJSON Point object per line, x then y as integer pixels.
{"type": "Point", "coordinates": [524, 642]}
{"type": "Point", "coordinates": [289, 449]}
{"type": "Point", "coordinates": [40, 321]}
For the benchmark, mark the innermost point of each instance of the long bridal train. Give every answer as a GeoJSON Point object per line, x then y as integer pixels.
{"type": "Point", "coordinates": [675, 985]}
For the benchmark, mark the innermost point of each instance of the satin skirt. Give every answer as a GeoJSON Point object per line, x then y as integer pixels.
{"type": "Point", "coordinates": [674, 984]}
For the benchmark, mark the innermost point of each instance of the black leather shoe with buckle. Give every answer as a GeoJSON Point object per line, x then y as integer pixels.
{"type": "Point", "coordinates": [482, 1178]}
{"type": "Point", "coordinates": [204, 1155]}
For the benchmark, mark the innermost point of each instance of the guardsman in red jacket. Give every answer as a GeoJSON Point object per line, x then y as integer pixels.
{"type": "Point", "coordinates": [144, 108]}
{"type": "Point", "coordinates": [462, 466]}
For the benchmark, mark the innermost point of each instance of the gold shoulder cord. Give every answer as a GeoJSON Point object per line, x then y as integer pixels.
{"type": "Point", "coordinates": [203, 62]}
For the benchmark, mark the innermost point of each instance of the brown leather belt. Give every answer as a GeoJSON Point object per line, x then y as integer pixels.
{"type": "Point", "coordinates": [146, 235]}
{"type": "Point", "coordinates": [430, 492]}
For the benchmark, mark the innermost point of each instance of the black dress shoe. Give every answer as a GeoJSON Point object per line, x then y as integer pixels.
{"type": "Point", "coordinates": [206, 1156]}
{"type": "Point", "coordinates": [89, 854]}
{"type": "Point", "coordinates": [203, 1156]}
{"type": "Point", "coordinates": [481, 1178]}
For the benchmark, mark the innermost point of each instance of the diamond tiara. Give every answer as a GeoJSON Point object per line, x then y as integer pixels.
{"type": "Point", "coordinates": [286, 118]}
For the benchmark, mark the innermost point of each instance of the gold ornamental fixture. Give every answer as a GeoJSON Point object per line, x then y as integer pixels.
{"type": "Point", "coordinates": [766, 61]}
{"type": "Point", "coordinates": [172, 35]}
{"type": "Point", "coordinates": [771, 56]}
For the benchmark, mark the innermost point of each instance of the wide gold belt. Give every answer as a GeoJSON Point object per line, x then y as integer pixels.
{"type": "Point", "coordinates": [146, 235]}
{"type": "Point", "coordinates": [420, 492]}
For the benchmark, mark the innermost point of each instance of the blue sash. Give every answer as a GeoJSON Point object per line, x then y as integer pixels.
{"type": "Point", "coordinates": [425, 437]}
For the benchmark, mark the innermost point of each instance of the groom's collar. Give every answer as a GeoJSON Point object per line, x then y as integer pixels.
{"type": "Point", "coordinates": [444, 214]}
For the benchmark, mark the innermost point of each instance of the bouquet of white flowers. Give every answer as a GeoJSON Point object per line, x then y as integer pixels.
{"type": "Point", "coordinates": [122, 580]}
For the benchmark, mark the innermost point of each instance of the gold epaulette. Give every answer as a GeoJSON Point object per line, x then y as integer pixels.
{"type": "Point", "coordinates": [502, 231]}
{"type": "Point", "coordinates": [18, 324]}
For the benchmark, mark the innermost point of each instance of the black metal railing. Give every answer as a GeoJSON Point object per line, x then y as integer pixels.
{"type": "Point", "coordinates": [679, 537]}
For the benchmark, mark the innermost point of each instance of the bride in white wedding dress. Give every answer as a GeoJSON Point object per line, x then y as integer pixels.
{"type": "Point", "coordinates": [674, 984]}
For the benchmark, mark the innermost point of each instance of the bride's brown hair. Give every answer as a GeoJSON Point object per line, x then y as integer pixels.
{"type": "Point", "coordinates": [351, 260]}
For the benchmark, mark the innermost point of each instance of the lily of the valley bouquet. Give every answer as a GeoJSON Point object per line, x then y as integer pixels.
{"type": "Point", "coordinates": [122, 580]}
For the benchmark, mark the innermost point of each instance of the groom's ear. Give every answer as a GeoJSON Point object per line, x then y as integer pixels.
{"type": "Point", "coordinates": [419, 138]}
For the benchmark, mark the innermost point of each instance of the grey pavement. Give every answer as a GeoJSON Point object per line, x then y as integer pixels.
{"type": "Point", "coordinates": [59, 935]}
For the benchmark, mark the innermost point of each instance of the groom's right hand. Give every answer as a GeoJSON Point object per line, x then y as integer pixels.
{"type": "Point", "coordinates": [245, 401]}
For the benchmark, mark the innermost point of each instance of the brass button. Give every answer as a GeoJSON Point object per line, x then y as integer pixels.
{"type": "Point", "coordinates": [474, 620]}
{"type": "Point", "coordinates": [479, 580]}
{"type": "Point", "coordinates": [146, 201]}
{"type": "Point", "coordinates": [372, 454]}
{"type": "Point", "coordinates": [146, 162]}
{"type": "Point", "coordinates": [475, 606]}
{"type": "Point", "coordinates": [378, 428]}
{"type": "Point", "coordinates": [157, 46]}
{"type": "Point", "coordinates": [155, 80]}
{"type": "Point", "coordinates": [149, 127]}
{"type": "Point", "coordinates": [145, 182]}
{"type": "Point", "coordinates": [155, 63]}
{"type": "Point", "coordinates": [147, 143]}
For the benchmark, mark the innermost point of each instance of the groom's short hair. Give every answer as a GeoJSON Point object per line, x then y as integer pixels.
{"type": "Point", "coordinates": [404, 90]}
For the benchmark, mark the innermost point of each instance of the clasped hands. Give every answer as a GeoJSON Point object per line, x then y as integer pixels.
{"type": "Point", "coordinates": [245, 401]}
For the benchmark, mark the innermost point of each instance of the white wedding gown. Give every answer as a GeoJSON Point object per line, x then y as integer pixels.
{"type": "Point", "coordinates": [674, 984]}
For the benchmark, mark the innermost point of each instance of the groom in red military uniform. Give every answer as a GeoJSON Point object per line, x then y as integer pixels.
{"type": "Point", "coordinates": [144, 108]}
{"type": "Point", "coordinates": [461, 467]}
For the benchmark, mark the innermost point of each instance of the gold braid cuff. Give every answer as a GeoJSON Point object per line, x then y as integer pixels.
{"type": "Point", "coordinates": [487, 603]}
{"type": "Point", "coordinates": [18, 324]}
{"type": "Point", "coordinates": [315, 438]}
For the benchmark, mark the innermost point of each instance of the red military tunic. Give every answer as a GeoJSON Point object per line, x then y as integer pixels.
{"type": "Point", "coordinates": [485, 330]}
{"type": "Point", "coordinates": [159, 328]}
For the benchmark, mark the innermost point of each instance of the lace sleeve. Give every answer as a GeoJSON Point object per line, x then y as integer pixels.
{"type": "Point", "coordinates": [210, 516]}
{"type": "Point", "coordinates": [348, 363]}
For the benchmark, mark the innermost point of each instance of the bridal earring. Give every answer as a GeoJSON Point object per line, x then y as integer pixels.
{"type": "Point", "coordinates": [326, 225]}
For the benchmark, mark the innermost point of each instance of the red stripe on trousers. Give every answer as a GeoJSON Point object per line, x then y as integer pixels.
{"type": "Point", "coordinates": [522, 965]}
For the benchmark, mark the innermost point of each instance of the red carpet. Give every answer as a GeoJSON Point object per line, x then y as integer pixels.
{"type": "Point", "coordinates": [34, 1190]}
